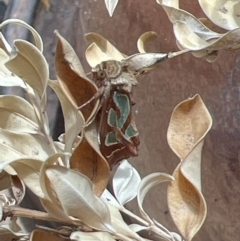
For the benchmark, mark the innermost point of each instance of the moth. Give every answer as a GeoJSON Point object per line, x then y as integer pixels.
{"type": "Point", "coordinates": [118, 134]}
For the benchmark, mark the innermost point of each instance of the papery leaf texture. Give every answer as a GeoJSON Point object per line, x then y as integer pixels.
{"type": "Point", "coordinates": [73, 119]}
{"type": "Point", "coordinates": [145, 185]}
{"type": "Point", "coordinates": [21, 144]}
{"type": "Point", "coordinates": [50, 201]}
{"type": "Point", "coordinates": [36, 36]}
{"type": "Point", "coordinates": [120, 225]}
{"type": "Point", "coordinates": [39, 235]}
{"type": "Point", "coordinates": [28, 170]}
{"type": "Point", "coordinates": [111, 5]}
{"type": "Point", "coordinates": [189, 124]}
{"type": "Point", "coordinates": [104, 46]}
{"type": "Point", "coordinates": [193, 34]}
{"type": "Point", "coordinates": [76, 196]}
{"type": "Point", "coordinates": [109, 198]}
{"type": "Point", "coordinates": [11, 231]}
{"type": "Point", "coordinates": [88, 160]}
{"type": "Point", "coordinates": [7, 79]}
{"type": "Point", "coordinates": [94, 55]}
{"type": "Point", "coordinates": [91, 236]}
{"type": "Point", "coordinates": [125, 182]}
{"type": "Point", "coordinates": [73, 81]}
{"type": "Point", "coordinates": [17, 115]}
{"type": "Point", "coordinates": [225, 14]}
{"type": "Point", "coordinates": [30, 65]}
{"type": "Point", "coordinates": [144, 39]}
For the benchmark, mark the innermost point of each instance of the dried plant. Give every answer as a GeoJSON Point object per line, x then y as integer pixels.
{"type": "Point", "coordinates": [70, 176]}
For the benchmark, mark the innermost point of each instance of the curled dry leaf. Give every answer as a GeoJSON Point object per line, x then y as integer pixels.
{"type": "Point", "coordinates": [5, 180]}
{"type": "Point", "coordinates": [73, 119]}
{"type": "Point", "coordinates": [88, 160]}
{"type": "Point", "coordinates": [119, 224]}
{"type": "Point", "coordinates": [144, 39]}
{"type": "Point", "coordinates": [28, 170]}
{"type": "Point", "coordinates": [145, 185]}
{"type": "Point", "coordinates": [36, 36]}
{"type": "Point", "coordinates": [18, 189]}
{"type": "Point", "coordinates": [8, 235]}
{"type": "Point", "coordinates": [107, 197]}
{"type": "Point", "coordinates": [7, 79]}
{"type": "Point", "coordinates": [50, 202]}
{"type": "Point", "coordinates": [17, 115]}
{"type": "Point", "coordinates": [39, 235]}
{"type": "Point", "coordinates": [75, 193]}
{"type": "Point", "coordinates": [189, 124]}
{"type": "Point", "coordinates": [137, 227]}
{"type": "Point", "coordinates": [29, 64]}
{"type": "Point", "coordinates": [100, 50]}
{"type": "Point", "coordinates": [194, 42]}
{"type": "Point", "coordinates": [91, 236]}
{"type": "Point", "coordinates": [94, 55]}
{"type": "Point", "coordinates": [4, 45]}
{"type": "Point", "coordinates": [125, 182]}
{"type": "Point", "coordinates": [223, 13]}
{"type": "Point", "coordinates": [76, 86]}
{"type": "Point", "coordinates": [21, 144]}
{"type": "Point", "coordinates": [144, 62]}
{"type": "Point", "coordinates": [11, 231]}
{"type": "Point", "coordinates": [201, 40]}
{"type": "Point", "coordinates": [111, 5]}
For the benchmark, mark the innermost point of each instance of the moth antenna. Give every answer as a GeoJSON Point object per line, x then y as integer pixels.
{"type": "Point", "coordinates": [97, 95]}
{"type": "Point", "coordinates": [94, 116]}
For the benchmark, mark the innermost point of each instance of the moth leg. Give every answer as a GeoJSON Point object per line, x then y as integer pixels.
{"type": "Point", "coordinates": [94, 116]}
{"type": "Point", "coordinates": [95, 97]}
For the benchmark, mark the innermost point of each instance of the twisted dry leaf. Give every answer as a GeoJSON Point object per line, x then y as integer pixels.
{"type": "Point", "coordinates": [88, 160]}
{"type": "Point", "coordinates": [145, 185]}
{"type": "Point", "coordinates": [73, 119]}
{"type": "Point", "coordinates": [91, 236]}
{"type": "Point", "coordinates": [100, 50]}
{"type": "Point", "coordinates": [36, 36]}
{"type": "Point", "coordinates": [29, 64]}
{"type": "Point", "coordinates": [120, 225]}
{"type": "Point", "coordinates": [94, 55]}
{"type": "Point", "coordinates": [6, 77]}
{"type": "Point", "coordinates": [75, 193]}
{"type": "Point", "coordinates": [111, 5]}
{"type": "Point", "coordinates": [144, 39]}
{"type": "Point", "coordinates": [39, 235]}
{"type": "Point", "coordinates": [192, 34]}
{"type": "Point", "coordinates": [73, 81]}
{"type": "Point", "coordinates": [50, 202]}
{"type": "Point", "coordinates": [17, 115]}
{"type": "Point", "coordinates": [223, 13]}
{"type": "Point", "coordinates": [21, 144]}
{"type": "Point", "coordinates": [189, 124]}
{"type": "Point", "coordinates": [27, 170]}
{"type": "Point", "coordinates": [125, 182]}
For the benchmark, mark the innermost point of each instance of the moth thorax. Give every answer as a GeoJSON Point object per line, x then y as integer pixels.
{"type": "Point", "coordinates": [113, 68]}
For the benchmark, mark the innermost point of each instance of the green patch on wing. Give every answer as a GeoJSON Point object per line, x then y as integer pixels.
{"type": "Point", "coordinates": [111, 139]}
{"type": "Point", "coordinates": [123, 103]}
{"type": "Point", "coordinates": [130, 132]}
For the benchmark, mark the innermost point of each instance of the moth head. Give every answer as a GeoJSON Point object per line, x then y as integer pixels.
{"type": "Point", "coordinates": [101, 75]}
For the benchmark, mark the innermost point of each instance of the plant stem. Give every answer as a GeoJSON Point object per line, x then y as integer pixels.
{"type": "Point", "coordinates": [140, 220]}
{"type": "Point", "coordinates": [165, 234]}
{"type": "Point", "coordinates": [15, 211]}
